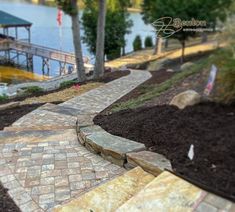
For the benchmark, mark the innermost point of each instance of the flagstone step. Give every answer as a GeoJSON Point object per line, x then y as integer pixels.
{"type": "Point", "coordinates": [32, 136]}
{"type": "Point", "coordinates": [112, 148]}
{"type": "Point", "coordinates": [111, 195]}
{"type": "Point", "coordinates": [166, 192]}
{"type": "Point", "coordinates": [151, 162]}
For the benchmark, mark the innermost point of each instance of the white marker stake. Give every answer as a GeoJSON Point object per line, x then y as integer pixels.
{"type": "Point", "coordinates": [191, 152]}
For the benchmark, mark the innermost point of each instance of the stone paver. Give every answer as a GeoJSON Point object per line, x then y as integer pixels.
{"type": "Point", "coordinates": [49, 173]}
{"type": "Point", "coordinates": [42, 162]}
{"type": "Point", "coordinates": [112, 194]}
{"type": "Point", "coordinates": [96, 100]}
{"type": "Point", "coordinates": [151, 162]}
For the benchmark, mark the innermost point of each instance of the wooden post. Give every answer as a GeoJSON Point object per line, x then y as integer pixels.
{"type": "Point", "coordinates": [8, 52]}
{"type": "Point", "coordinates": [17, 53]}
{"type": "Point", "coordinates": [46, 62]}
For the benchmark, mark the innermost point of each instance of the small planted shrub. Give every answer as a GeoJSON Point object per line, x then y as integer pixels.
{"type": "Point", "coordinates": [68, 83]}
{"type": "Point", "coordinates": [32, 90]}
{"type": "Point", "coordinates": [148, 43]}
{"type": "Point", "coordinates": [137, 43]}
{"type": "Point", "coordinates": [227, 81]}
{"type": "Point", "coordinates": [3, 97]}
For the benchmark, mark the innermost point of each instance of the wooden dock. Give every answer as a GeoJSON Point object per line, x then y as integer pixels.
{"type": "Point", "coordinates": [47, 54]}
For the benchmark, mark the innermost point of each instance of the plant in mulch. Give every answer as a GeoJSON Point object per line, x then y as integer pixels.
{"type": "Point", "coordinates": [148, 42]}
{"type": "Point", "coordinates": [225, 81]}
{"type": "Point", "coordinates": [68, 83]}
{"type": "Point", "coordinates": [3, 97]}
{"type": "Point", "coordinates": [32, 90]}
{"type": "Point", "coordinates": [137, 43]}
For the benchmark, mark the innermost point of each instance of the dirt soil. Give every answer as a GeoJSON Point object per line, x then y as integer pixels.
{"type": "Point", "coordinates": [164, 129]}
{"type": "Point", "coordinates": [9, 116]}
{"type": "Point", "coordinates": [6, 203]}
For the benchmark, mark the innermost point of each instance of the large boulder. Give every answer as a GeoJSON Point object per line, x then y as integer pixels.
{"type": "Point", "coordinates": [186, 98]}
{"type": "Point", "coordinates": [186, 66]}
{"type": "Point", "coordinates": [157, 64]}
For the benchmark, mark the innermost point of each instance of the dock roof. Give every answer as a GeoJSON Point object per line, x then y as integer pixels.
{"type": "Point", "coordinates": [8, 20]}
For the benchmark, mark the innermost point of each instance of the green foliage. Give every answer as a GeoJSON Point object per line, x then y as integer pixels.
{"type": "Point", "coordinates": [3, 97]}
{"type": "Point", "coordinates": [154, 91]}
{"type": "Point", "coordinates": [226, 76]}
{"type": "Point", "coordinates": [117, 26]}
{"type": "Point", "coordinates": [32, 90]}
{"type": "Point", "coordinates": [137, 43]}
{"type": "Point", "coordinates": [206, 10]}
{"type": "Point", "coordinates": [148, 42]}
{"type": "Point", "coordinates": [68, 6]}
{"type": "Point", "coordinates": [68, 83]}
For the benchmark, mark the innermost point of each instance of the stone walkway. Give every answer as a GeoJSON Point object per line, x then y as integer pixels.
{"type": "Point", "coordinates": [42, 162]}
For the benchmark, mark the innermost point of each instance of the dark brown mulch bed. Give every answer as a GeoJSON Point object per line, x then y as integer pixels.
{"type": "Point", "coordinates": [108, 77]}
{"type": "Point", "coordinates": [210, 127]}
{"type": "Point", "coordinates": [157, 78]}
{"type": "Point", "coordinates": [9, 116]}
{"type": "Point", "coordinates": [6, 203]}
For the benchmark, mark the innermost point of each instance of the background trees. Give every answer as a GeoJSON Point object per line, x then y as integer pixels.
{"type": "Point", "coordinates": [70, 7]}
{"type": "Point", "coordinates": [206, 10]}
{"type": "Point", "coordinates": [117, 25]}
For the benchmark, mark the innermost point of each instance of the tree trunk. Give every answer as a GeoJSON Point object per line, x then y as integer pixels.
{"type": "Point", "coordinates": [78, 48]}
{"type": "Point", "coordinates": [99, 62]}
{"type": "Point", "coordinates": [166, 43]}
{"type": "Point", "coordinates": [204, 37]}
{"type": "Point", "coordinates": [183, 51]}
{"type": "Point", "coordinates": [158, 46]}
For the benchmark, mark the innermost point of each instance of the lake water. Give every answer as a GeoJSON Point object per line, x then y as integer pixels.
{"type": "Point", "coordinates": [45, 31]}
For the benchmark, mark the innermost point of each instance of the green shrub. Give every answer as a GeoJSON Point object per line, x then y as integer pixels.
{"type": "Point", "coordinates": [67, 84]}
{"type": "Point", "coordinates": [32, 90]}
{"type": "Point", "coordinates": [137, 43]}
{"type": "Point", "coordinates": [226, 77]}
{"type": "Point", "coordinates": [3, 97]}
{"type": "Point", "coordinates": [148, 42]}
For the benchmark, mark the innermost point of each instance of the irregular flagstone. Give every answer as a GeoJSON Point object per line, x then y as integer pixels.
{"type": "Point", "coordinates": [83, 132]}
{"type": "Point", "coordinates": [110, 195]}
{"type": "Point", "coordinates": [41, 117]}
{"type": "Point", "coordinates": [113, 148]}
{"type": "Point", "coordinates": [151, 162]}
{"type": "Point", "coordinates": [32, 136]}
{"type": "Point", "coordinates": [165, 193]}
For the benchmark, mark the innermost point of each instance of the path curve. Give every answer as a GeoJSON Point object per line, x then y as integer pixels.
{"type": "Point", "coordinates": [42, 162]}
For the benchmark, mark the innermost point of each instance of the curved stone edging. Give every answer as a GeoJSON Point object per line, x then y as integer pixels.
{"type": "Point", "coordinates": [121, 151]}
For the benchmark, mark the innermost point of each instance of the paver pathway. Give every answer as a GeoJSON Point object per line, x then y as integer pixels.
{"type": "Point", "coordinates": [42, 162]}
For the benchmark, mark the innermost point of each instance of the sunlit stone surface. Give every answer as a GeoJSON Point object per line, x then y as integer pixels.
{"type": "Point", "coordinates": [165, 193]}
{"type": "Point", "coordinates": [111, 195]}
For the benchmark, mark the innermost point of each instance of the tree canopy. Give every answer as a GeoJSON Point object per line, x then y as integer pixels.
{"type": "Point", "coordinates": [185, 10]}
{"type": "Point", "coordinates": [117, 25]}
